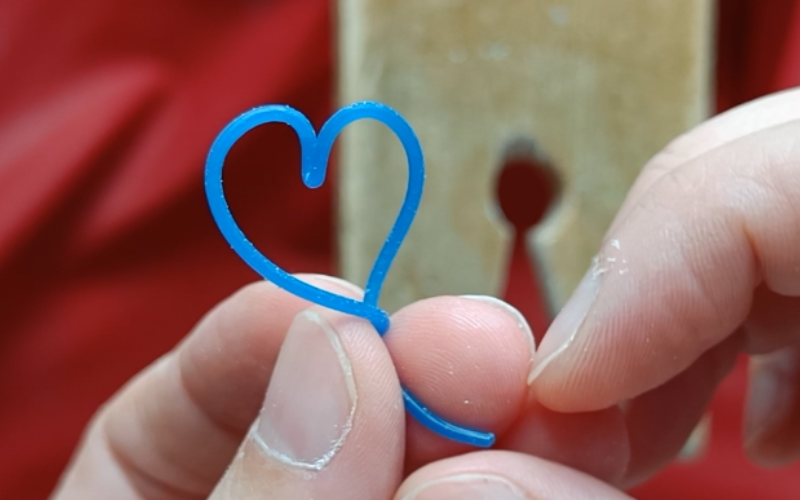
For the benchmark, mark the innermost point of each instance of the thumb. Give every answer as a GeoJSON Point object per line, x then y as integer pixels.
{"type": "Point", "coordinates": [332, 423]}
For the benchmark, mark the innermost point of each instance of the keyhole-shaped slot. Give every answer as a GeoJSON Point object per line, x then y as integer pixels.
{"type": "Point", "coordinates": [527, 187]}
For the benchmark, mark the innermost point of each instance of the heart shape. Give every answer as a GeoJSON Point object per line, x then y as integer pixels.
{"type": "Point", "coordinates": [315, 151]}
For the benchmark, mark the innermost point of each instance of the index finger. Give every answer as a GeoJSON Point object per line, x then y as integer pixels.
{"type": "Point", "coordinates": [677, 273]}
{"type": "Point", "coordinates": [766, 112]}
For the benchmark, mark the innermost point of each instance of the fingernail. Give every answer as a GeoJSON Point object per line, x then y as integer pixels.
{"type": "Point", "coordinates": [309, 407]}
{"type": "Point", "coordinates": [467, 487]}
{"type": "Point", "coordinates": [770, 400]}
{"type": "Point", "coordinates": [567, 325]}
{"type": "Point", "coordinates": [512, 311]}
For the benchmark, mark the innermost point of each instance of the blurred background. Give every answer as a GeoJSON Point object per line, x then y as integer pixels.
{"type": "Point", "coordinates": [108, 255]}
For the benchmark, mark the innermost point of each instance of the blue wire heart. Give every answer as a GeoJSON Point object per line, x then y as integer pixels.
{"type": "Point", "coordinates": [315, 150]}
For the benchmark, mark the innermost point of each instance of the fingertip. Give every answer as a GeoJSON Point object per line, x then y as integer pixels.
{"type": "Point", "coordinates": [379, 417]}
{"type": "Point", "coordinates": [332, 422]}
{"type": "Point", "coordinates": [512, 313]}
{"type": "Point", "coordinates": [467, 359]}
{"type": "Point", "coordinates": [263, 305]}
{"type": "Point", "coordinates": [640, 316]}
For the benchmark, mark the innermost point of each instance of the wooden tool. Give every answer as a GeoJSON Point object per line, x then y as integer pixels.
{"type": "Point", "coordinates": [594, 87]}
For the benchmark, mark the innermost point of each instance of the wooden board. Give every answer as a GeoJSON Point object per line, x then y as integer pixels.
{"type": "Point", "coordinates": [597, 87]}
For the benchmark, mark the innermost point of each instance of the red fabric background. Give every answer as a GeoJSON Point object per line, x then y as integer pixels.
{"type": "Point", "coordinates": [107, 252]}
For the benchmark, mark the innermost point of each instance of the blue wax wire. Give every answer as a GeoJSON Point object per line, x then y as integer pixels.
{"type": "Point", "coordinates": [315, 151]}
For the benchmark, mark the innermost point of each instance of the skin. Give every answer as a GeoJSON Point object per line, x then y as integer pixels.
{"type": "Point", "coordinates": [700, 265]}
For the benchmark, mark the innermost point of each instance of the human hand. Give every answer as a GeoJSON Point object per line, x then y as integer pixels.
{"type": "Point", "coordinates": [332, 424]}
{"type": "Point", "coordinates": [697, 266]}
{"type": "Point", "coordinates": [701, 263]}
